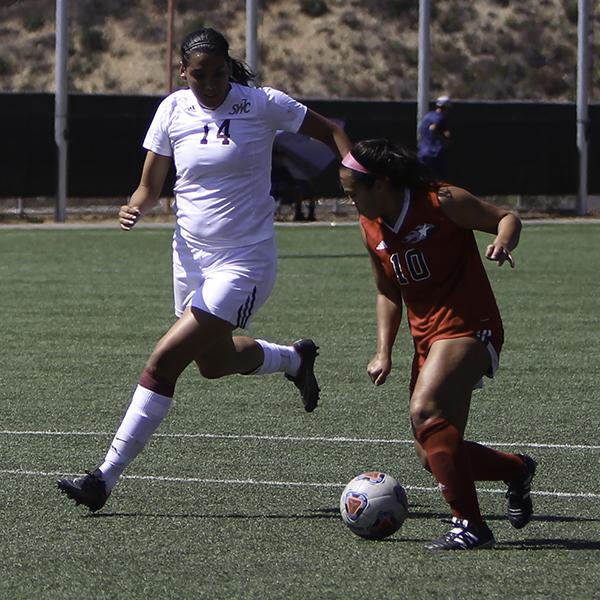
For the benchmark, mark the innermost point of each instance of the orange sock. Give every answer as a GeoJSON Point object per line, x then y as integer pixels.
{"type": "Point", "coordinates": [449, 462]}
{"type": "Point", "coordinates": [492, 465]}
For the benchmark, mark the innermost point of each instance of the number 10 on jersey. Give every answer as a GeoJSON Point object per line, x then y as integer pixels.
{"type": "Point", "coordinates": [415, 262]}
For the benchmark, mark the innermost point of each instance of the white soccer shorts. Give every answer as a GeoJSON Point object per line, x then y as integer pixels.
{"type": "Point", "coordinates": [230, 283]}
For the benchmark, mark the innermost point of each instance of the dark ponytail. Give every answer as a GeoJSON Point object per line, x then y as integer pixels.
{"type": "Point", "coordinates": [240, 72]}
{"type": "Point", "coordinates": [211, 40]}
{"type": "Point", "coordinates": [386, 158]}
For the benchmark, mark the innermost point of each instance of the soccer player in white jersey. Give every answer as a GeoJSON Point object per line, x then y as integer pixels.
{"type": "Point", "coordinates": [219, 132]}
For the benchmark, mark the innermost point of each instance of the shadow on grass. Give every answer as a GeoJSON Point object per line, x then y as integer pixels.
{"type": "Point", "coordinates": [334, 514]}
{"type": "Point", "coordinates": [314, 514]}
{"type": "Point", "coordinates": [541, 518]}
{"type": "Point", "coordinates": [549, 519]}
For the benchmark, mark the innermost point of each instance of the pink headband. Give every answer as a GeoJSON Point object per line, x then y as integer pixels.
{"type": "Point", "coordinates": [350, 162]}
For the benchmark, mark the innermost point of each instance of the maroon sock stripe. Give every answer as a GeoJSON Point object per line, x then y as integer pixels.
{"type": "Point", "coordinates": [156, 384]}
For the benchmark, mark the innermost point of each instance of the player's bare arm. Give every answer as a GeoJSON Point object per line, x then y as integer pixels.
{"type": "Point", "coordinates": [389, 314]}
{"type": "Point", "coordinates": [148, 191]}
{"type": "Point", "coordinates": [470, 212]}
{"type": "Point", "coordinates": [326, 131]}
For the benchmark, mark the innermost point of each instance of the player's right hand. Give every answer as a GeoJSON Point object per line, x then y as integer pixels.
{"type": "Point", "coordinates": [128, 216]}
{"type": "Point", "coordinates": [379, 368]}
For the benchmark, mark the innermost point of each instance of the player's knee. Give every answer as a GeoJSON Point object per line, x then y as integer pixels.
{"type": "Point", "coordinates": [163, 366]}
{"type": "Point", "coordinates": [421, 410]}
{"type": "Point", "coordinates": [159, 372]}
{"type": "Point", "coordinates": [422, 456]}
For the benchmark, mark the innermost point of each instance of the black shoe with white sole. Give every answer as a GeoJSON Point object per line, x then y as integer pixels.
{"type": "Point", "coordinates": [464, 536]}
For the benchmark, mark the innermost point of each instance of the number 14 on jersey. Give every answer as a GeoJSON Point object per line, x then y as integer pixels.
{"type": "Point", "coordinates": [222, 132]}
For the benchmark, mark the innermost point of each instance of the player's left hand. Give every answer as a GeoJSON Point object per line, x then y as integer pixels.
{"type": "Point", "coordinates": [500, 254]}
{"type": "Point", "coordinates": [379, 368]}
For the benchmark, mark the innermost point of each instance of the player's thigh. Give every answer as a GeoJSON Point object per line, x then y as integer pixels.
{"type": "Point", "coordinates": [446, 379]}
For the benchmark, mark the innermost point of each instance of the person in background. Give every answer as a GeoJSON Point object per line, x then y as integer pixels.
{"type": "Point", "coordinates": [419, 236]}
{"type": "Point", "coordinates": [434, 138]}
{"type": "Point", "coordinates": [219, 132]}
{"type": "Point", "coordinates": [290, 190]}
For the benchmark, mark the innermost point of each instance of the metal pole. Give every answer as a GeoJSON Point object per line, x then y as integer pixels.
{"type": "Point", "coordinates": [252, 34]}
{"type": "Point", "coordinates": [60, 105]}
{"type": "Point", "coordinates": [424, 59]}
{"type": "Point", "coordinates": [583, 62]}
{"type": "Point", "coordinates": [169, 64]}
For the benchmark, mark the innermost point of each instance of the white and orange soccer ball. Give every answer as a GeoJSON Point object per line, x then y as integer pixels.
{"type": "Point", "coordinates": [374, 505]}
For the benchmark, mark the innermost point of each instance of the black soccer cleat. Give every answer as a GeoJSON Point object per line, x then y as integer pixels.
{"type": "Point", "coordinates": [520, 506]}
{"type": "Point", "coordinates": [305, 379]}
{"type": "Point", "coordinates": [89, 489]}
{"type": "Point", "coordinates": [464, 536]}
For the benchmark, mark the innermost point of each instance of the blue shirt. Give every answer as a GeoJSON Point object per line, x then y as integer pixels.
{"type": "Point", "coordinates": [430, 143]}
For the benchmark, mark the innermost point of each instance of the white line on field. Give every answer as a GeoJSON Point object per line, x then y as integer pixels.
{"type": "Point", "coordinates": [291, 438]}
{"type": "Point", "coordinates": [259, 482]}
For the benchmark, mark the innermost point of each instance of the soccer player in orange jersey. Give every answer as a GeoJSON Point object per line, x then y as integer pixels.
{"type": "Point", "coordinates": [419, 236]}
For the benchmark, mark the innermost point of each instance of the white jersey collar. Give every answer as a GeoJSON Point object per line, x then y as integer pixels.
{"type": "Point", "coordinates": [400, 221]}
{"type": "Point", "coordinates": [192, 105]}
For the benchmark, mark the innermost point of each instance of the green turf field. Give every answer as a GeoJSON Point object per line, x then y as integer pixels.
{"type": "Point", "coordinates": [237, 497]}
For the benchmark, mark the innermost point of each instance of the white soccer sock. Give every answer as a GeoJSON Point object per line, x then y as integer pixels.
{"type": "Point", "coordinates": [145, 413]}
{"type": "Point", "coordinates": [278, 358]}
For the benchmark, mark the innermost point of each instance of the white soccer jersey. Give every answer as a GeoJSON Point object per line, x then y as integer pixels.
{"type": "Point", "coordinates": [223, 162]}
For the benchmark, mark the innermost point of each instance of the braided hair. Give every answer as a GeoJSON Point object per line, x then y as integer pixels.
{"type": "Point", "coordinates": [386, 158]}
{"type": "Point", "coordinates": [208, 39]}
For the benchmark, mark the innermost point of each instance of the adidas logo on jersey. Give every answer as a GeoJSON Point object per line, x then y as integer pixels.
{"type": "Point", "coordinates": [418, 234]}
{"type": "Point", "coordinates": [381, 246]}
{"type": "Point", "coordinates": [240, 107]}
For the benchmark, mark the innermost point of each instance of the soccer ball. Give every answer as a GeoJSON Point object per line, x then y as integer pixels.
{"type": "Point", "coordinates": [374, 505]}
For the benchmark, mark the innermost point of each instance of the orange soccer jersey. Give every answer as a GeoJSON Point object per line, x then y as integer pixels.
{"type": "Point", "coordinates": [437, 266]}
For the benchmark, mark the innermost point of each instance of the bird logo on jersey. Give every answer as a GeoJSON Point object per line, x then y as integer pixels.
{"type": "Point", "coordinates": [418, 234]}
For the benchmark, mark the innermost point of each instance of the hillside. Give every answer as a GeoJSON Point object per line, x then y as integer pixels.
{"type": "Point", "coordinates": [485, 49]}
